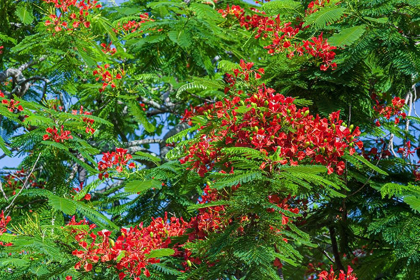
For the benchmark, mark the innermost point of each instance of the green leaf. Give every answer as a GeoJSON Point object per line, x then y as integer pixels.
{"type": "Point", "coordinates": [366, 162]}
{"type": "Point", "coordinates": [281, 6]}
{"type": "Point", "coordinates": [189, 86]}
{"type": "Point", "coordinates": [159, 253]}
{"type": "Point", "coordinates": [413, 201]}
{"type": "Point", "coordinates": [210, 204]}
{"type": "Point", "coordinates": [180, 37]}
{"type": "Point", "coordinates": [95, 216]}
{"type": "Point", "coordinates": [13, 262]}
{"type": "Point", "coordinates": [143, 155]}
{"type": "Point", "coordinates": [55, 144]}
{"type": "Point", "coordinates": [62, 204]}
{"type": "Point", "coordinates": [38, 120]}
{"type": "Point", "coordinates": [4, 148]}
{"type": "Point", "coordinates": [120, 256]}
{"type": "Point", "coordinates": [243, 109]}
{"type": "Point", "coordinates": [325, 16]}
{"type": "Point", "coordinates": [309, 169]}
{"type": "Point", "coordinates": [347, 36]}
{"type": "Point", "coordinates": [139, 186]}
{"type": "Point", "coordinates": [24, 13]}
{"type": "Point", "coordinates": [140, 116]}
{"type": "Point", "coordinates": [5, 38]}
{"type": "Point", "coordinates": [381, 20]}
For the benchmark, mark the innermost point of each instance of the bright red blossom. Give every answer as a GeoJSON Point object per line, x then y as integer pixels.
{"type": "Point", "coordinates": [3, 223]}
{"type": "Point", "coordinates": [324, 275]}
{"type": "Point", "coordinates": [12, 105]}
{"type": "Point", "coordinates": [106, 48]}
{"type": "Point", "coordinates": [108, 77]}
{"type": "Point", "coordinates": [53, 134]}
{"type": "Point", "coordinates": [71, 14]}
{"type": "Point", "coordinates": [388, 111]}
{"type": "Point", "coordinates": [116, 159]}
{"type": "Point", "coordinates": [282, 36]}
{"type": "Point", "coordinates": [271, 123]}
{"type": "Point", "coordinates": [89, 122]}
{"type": "Point", "coordinates": [134, 243]}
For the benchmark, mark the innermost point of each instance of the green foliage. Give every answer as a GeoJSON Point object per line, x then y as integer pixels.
{"type": "Point", "coordinates": [347, 36]}
{"type": "Point", "coordinates": [324, 17]}
{"type": "Point", "coordinates": [173, 63]}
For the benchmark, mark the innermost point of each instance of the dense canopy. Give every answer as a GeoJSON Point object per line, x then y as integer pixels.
{"type": "Point", "coordinates": [213, 139]}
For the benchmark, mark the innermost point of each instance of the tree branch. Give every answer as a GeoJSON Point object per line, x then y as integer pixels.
{"type": "Point", "coordinates": [165, 149]}
{"type": "Point", "coordinates": [336, 253]}
{"type": "Point", "coordinates": [23, 187]}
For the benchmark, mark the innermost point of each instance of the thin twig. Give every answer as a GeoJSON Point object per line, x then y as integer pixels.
{"type": "Point", "coordinates": [4, 194]}
{"type": "Point", "coordinates": [410, 107]}
{"type": "Point", "coordinates": [391, 144]}
{"type": "Point", "coordinates": [367, 181]}
{"type": "Point", "coordinates": [24, 185]}
{"type": "Point", "coordinates": [415, 99]}
{"type": "Point", "coordinates": [328, 256]}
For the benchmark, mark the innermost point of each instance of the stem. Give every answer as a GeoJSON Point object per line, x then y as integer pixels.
{"type": "Point", "coordinates": [335, 249]}
{"type": "Point", "coordinates": [24, 186]}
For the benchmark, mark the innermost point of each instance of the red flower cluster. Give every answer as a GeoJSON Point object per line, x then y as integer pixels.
{"type": "Point", "coordinates": [282, 203]}
{"type": "Point", "coordinates": [312, 268]}
{"type": "Point", "coordinates": [131, 249]}
{"type": "Point", "coordinates": [119, 158]}
{"type": "Point", "coordinates": [209, 219]}
{"type": "Point", "coordinates": [314, 6]}
{"type": "Point", "coordinates": [389, 111]}
{"type": "Point", "coordinates": [11, 105]}
{"type": "Point", "coordinates": [78, 233]}
{"type": "Point", "coordinates": [319, 47]}
{"type": "Point", "coordinates": [281, 36]}
{"type": "Point", "coordinates": [245, 72]}
{"type": "Point", "coordinates": [132, 25]}
{"type": "Point", "coordinates": [271, 123]}
{"type": "Point", "coordinates": [324, 275]}
{"type": "Point", "coordinates": [89, 122]}
{"type": "Point", "coordinates": [1, 49]}
{"type": "Point", "coordinates": [235, 10]}
{"type": "Point", "coordinates": [106, 49]}
{"type": "Point", "coordinates": [107, 77]}
{"type": "Point", "coordinates": [53, 134]}
{"type": "Point", "coordinates": [72, 13]}
{"type": "Point", "coordinates": [3, 223]}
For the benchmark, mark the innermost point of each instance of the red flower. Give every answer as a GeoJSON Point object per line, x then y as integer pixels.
{"type": "Point", "coordinates": [265, 127]}
{"type": "Point", "coordinates": [55, 136]}
{"type": "Point", "coordinates": [116, 159]}
{"type": "Point", "coordinates": [3, 222]}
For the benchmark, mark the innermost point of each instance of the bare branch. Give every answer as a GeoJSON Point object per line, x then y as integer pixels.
{"type": "Point", "coordinates": [4, 194]}
{"type": "Point", "coordinates": [165, 149]}
{"type": "Point", "coordinates": [18, 77]}
{"type": "Point", "coordinates": [142, 142]}
{"type": "Point", "coordinates": [24, 185]}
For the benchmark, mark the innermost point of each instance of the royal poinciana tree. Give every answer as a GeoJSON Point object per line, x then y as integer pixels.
{"type": "Point", "coordinates": [209, 139]}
